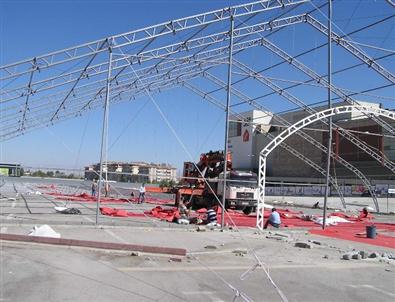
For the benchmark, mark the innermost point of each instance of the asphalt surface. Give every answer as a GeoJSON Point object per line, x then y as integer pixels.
{"type": "Point", "coordinates": [212, 271]}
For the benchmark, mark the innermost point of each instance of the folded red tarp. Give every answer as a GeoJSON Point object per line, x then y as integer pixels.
{"type": "Point", "coordinates": [119, 213]}
{"type": "Point", "coordinates": [168, 214]}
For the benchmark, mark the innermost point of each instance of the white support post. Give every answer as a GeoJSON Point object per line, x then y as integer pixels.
{"type": "Point", "coordinates": [260, 211]}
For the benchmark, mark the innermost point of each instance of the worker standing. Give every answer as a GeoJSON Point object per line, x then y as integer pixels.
{"type": "Point", "coordinates": [142, 193]}
{"type": "Point", "coordinates": [94, 188]}
{"type": "Point", "coordinates": [106, 189]}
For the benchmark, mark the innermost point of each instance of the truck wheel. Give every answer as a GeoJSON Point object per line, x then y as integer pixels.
{"type": "Point", "coordinates": [248, 210]}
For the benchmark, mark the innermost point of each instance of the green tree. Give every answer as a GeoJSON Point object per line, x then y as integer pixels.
{"type": "Point", "coordinates": [163, 183]}
{"type": "Point", "coordinates": [39, 173]}
{"type": "Point", "coordinates": [50, 173]}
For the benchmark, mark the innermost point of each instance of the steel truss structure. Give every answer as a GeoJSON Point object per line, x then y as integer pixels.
{"type": "Point", "coordinates": [61, 85]}
{"type": "Point", "coordinates": [294, 129]}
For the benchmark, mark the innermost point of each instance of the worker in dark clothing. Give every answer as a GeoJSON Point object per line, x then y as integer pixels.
{"type": "Point", "coordinates": [211, 216]}
{"type": "Point", "coordinates": [142, 194]}
{"type": "Point", "coordinates": [274, 219]}
{"type": "Point", "coordinates": [94, 188]}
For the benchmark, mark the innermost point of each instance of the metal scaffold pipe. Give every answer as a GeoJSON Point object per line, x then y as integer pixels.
{"type": "Point", "coordinates": [328, 160]}
{"type": "Point", "coordinates": [104, 134]}
{"type": "Point", "coordinates": [228, 96]}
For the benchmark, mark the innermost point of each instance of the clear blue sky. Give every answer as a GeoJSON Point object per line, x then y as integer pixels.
{"type": "Point", "coordinates": [30, 28]}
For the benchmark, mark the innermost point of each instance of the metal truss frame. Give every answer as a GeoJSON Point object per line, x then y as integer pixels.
{"type": "Point", "coordinates": [40, 95]}
{"type": "Point", "coordinates": [380, 158]}
{"type": "Point", "coordinates": [351, 48]}
{"type": "Point", "coordinates": [297, 127]}
{"type": "Point", "coordinates": [254, 104]}
{"type": "Point", "coordinates": [303, 135]}
{"type": "Point", "coordinates": [320, 80]}
{"type": "Point", "coordinates": [124, 60]}
{"type": "Point", "coordinates": [163, 53]}
{"type": "Point", "coordinates": [140, 35]}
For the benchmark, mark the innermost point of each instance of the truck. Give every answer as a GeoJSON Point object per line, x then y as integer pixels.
{"type": "Point", "coordinates": [203, 181]}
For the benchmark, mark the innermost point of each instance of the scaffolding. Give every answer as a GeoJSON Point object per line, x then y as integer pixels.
{"type": "Point", "coordinates": [50, 88]}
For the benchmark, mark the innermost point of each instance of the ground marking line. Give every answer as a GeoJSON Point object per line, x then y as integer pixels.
{"type": "Point", "coordinates": [87, 218]}
{"type": "Point", "coordinates": [115, 236]}
{"type": "Point", "coordinates": [245, 267]}
{"type": "Point", "coordinates": [373, 288]}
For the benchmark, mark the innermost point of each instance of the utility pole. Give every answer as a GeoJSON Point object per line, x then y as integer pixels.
{"type": "Point", "coordinates": [328, 162]}
{"type": "Point", "coordinates": [227, 119]}
{"type": "Point", "coordinates": [104, 134]}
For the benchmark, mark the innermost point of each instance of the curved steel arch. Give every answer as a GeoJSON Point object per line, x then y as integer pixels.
{"type": "Point", "coordinates": [296, 127]}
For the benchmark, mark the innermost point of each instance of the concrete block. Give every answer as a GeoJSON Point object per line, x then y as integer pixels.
{"type": "Point", "coordinates": [201, 228]}
{"type": "Point", "coordinates": [374, 255]}
{"type": "Point", "coordinates": [303, 245]}
{"type": "Point", "coordinates": [387, 255]}
{"type": "Point", "coordinates": [210, 247]}
{"type": "Point", "coordinates": [275, 237]}
{"type": "Point", "coordinates": [240, 251]}
{"type": "Point", "coordinates": [363, 254]}
{"type": "Point", "coordinates": [357, 257]}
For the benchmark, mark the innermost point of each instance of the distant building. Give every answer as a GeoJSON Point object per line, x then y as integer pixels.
{"type": "Point", "coordinates": [132, 172]}
{"type": "Point", "coordinates": [10, 169]}
{"type": "Point", "coordinates": [246, 142]}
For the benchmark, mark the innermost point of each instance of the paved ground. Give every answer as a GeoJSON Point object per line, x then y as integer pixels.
{"type": "Point", "coordinates": [215, 263]}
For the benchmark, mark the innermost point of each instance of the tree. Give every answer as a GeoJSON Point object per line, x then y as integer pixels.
{"type": "Point", "coordinates": [164, 183]}
{"type": "Point", "coordinates": [39, 173]}
{"type": "Point", "coordinates": [171, 183]}
{"type": "Point", "coordinates": [50, 173]}
{"type": "Point", "coordinates": [123, 178]}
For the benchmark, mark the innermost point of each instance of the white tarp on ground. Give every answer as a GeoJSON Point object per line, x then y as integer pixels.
{"type": "Point", "coordinates": [44, 231]}
{"type": "Point", "coordinates": [333, 220]}
{"type": "Point", "coordinates": [60, 209]}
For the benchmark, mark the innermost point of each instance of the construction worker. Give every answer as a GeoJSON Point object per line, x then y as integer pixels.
{"type": "Point", "coordinates": [106, 189]}
{"type": "Point", "coordinates": [211, 217]}
{"type": "Point", "coordinates": [94, 188]}
{"type": "Point", "coordinates": [142, 193]}
{"type": "Point", "coordinates": [274, 219]}
{"type": "Point", "coordinates": [184, 213]}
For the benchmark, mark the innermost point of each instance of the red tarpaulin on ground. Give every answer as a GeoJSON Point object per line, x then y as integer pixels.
{"type": "Point", "coordinates": [53, 187]}
{"type": "Point", "coordinates": [357, 232]}
{"type": "Point", "coordinates": [84, 197]}
{"type": "Point", "coordinates": [119, 212]}
{"type": "Point", "coordinates": [354, 231]}
{"type": "Point", "coordinates": [168, 214]}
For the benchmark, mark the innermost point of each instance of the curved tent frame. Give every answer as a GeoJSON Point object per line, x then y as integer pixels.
{"type": "Point", "coordinates": [297, 127]}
